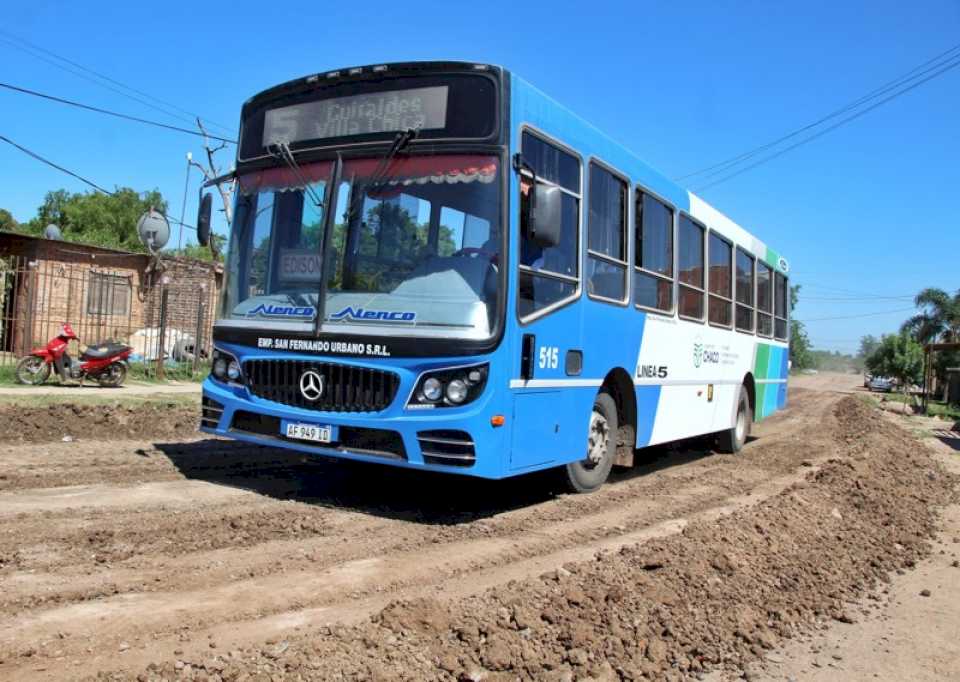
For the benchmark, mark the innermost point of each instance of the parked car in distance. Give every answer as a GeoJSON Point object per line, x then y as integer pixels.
{"type": "Point", "coordinates": [884, 384]}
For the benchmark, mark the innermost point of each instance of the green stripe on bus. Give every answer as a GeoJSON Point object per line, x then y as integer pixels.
{"type": "Point", "coordinates": [761, 391]}
{"type": "Point", "coordinates": [762, 362]}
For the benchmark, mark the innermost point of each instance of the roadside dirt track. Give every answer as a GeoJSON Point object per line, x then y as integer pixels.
{"type": "Point", "coordinates": [207, 558]}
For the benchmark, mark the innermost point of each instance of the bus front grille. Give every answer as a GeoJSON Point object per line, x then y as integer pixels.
{"type": "Point", "coordinates": [345, 388]}
{"type": "Point", "coordinates": [447, 447]}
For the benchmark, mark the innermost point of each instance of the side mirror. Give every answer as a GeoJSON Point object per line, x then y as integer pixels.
{"type": "Point", "coordinates": [542, 223]}
{"type": "Point", "coordinates": [203, 219]}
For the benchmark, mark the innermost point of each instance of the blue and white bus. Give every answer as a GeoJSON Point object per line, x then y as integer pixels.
{"type": "Point", "coordinates": [436, 266]}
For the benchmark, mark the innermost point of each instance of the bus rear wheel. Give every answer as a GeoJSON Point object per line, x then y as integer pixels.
{"type": "Point", "coordinates": [733, 439]}
{"type": "Point", "coordinates": [588, 474]}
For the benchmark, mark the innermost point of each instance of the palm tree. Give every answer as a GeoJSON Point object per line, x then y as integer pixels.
{"type": "Point", "coordinates": [939, 318]}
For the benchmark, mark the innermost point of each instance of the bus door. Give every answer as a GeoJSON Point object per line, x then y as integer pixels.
{"type": "Point", "coordinates": [548, 424]}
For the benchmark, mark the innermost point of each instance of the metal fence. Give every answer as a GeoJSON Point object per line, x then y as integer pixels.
{"type": "Point", "coordinates": [168, 323]}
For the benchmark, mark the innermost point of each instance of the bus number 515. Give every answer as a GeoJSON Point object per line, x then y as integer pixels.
{"type": "Point", "coordinates": [549, 357]}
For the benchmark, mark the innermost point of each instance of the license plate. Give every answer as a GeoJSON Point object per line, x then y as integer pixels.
{"type": "Point", "coordinates": [311, 432]}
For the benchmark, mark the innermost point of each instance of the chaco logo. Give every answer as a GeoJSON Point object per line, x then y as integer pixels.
{"type": "Point", "coordinates": [782, 264]}
{"type": "Point", "coordinates": [702, 355]}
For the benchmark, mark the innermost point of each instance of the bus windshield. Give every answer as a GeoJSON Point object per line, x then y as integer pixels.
{"type": "Point", "coordinates": [414, 249]}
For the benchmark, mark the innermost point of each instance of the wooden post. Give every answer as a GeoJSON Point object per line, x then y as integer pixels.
{"type": "Point", "coordinates": [163, 331]}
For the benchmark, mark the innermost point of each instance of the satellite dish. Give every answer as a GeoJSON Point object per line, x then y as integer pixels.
{"type": "Point", "coordinates": [51, 231]}
{"type": "Point", "coordinates": [154, 230]}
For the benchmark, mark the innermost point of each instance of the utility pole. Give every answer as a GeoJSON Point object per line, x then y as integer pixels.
{"type": "Point", "coordinates": [183, 207]}
{"type": "Point", "coordinates": [211, 172]}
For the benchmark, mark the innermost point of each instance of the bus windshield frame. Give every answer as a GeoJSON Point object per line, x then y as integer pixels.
{"type": "Point", "coordinates": [418, 254]}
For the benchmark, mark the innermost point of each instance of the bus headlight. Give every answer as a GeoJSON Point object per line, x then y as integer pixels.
{"type": "Point", "coordinates": [457, 391]}
{"type": "Point", "coordinates": [225, 367]}
{"type": "Point", "coordinates": [220, 368]}
{"type": "Point", "coordinates": [449, 387]}
{"type": "Point", "coordinates": [432, 389]}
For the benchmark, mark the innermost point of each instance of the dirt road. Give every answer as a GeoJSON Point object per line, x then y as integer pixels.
{"type": "Point", "coordinates": [119, 555]}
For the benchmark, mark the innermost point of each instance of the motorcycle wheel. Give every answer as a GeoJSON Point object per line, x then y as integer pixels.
{"type": "Point", "coordinates": [113, 375]}
{"type": "Point", "coordinates": [32, 370]}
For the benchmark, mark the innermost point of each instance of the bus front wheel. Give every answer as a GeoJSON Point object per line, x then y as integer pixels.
{"type": "Point", "coordinates": [733, 439]}
{"type": "Point", "coordinates": [588, 474]}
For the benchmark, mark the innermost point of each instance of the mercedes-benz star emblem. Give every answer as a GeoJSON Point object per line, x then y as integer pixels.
{"type": "Point", "coordinates": [311, 385]}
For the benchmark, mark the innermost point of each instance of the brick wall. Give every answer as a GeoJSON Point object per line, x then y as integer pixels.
{"type": "Point", "coordinates": [104, 294]}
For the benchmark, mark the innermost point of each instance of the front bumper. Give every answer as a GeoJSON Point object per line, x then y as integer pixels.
{"type": "Point", "coordinates": [433, 439]}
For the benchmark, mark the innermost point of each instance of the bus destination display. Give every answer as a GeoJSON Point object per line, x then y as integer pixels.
{"type": "Point", "coordinates": [379, 112]}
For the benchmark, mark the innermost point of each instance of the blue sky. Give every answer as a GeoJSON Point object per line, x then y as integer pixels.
{"type": "Point", "coordinates": [866, 211]}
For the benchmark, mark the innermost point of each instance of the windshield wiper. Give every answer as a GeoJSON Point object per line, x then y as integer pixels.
{"type": "Point", "coordinates": [284, 153]}
{"type": "Point", "coordinates": [400, 142]}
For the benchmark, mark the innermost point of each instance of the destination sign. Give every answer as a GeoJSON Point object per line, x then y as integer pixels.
{"type": "Point", "coordinates": [378, 112]}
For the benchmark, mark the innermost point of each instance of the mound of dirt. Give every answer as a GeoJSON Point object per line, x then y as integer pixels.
{"type": "Point", "coordinates": [114, 421]}
{"type": "Point", "coordinates": [715, 596]}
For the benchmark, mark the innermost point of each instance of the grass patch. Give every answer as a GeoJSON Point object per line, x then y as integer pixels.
{"type": "Point", "coordinates": [935, 408]}
{"type": "Point", "coordinates": [138, 372]}
{"type": "Point", "coordinates": [95, 398]}
{"type": "Point", "coordinates": [939, 409]}
{"type": "Point", "coordinates": [8, 375]}
{"type": "Point", "coordinates": [183, 371]}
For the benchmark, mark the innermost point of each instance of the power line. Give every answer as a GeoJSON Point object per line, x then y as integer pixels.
{"type": "Point", "coordinates": [852, 292]}
{"type": "Point", "coordinates": [870, 95]}
{"type": "Point", "coordinates": [823, 132]}
{"type": "Point", "coordinates": [850, 317]}
{"type": "Point", "coordinates": [108, 112]}
{"type": "Point", "coordinates": [855, 299]}
{"type": "Point", "coordinates": [82, 179]}
{"type": "Point", "coordinates": [31, 49]}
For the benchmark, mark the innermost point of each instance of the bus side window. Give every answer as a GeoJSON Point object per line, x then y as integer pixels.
{"type": "Point", "coordinates": [744, 313]}
{"type": "Point", "coordinates": [691, 273]}
{"type": "Point", "coordinates": [780, 310]}
{"type": "Point", "coordinates": [549, 275]}
{"type": "Point", "coordinates": [764, 300]}
{"type": "Point", "coordinates": [653, 262]}
{"type": "Point", "coordinates": [720, 306]}
{"type": "Point", "coordinates": [607, 236]}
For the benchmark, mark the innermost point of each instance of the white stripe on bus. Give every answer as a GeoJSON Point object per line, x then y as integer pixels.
{"type": "Point", "coordinates": [573, 383]}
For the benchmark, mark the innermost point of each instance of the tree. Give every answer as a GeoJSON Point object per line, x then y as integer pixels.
{"type": "Point", "coordinates": [868, 344]}
{"type": "Point", "coordinates": [899, 357]}
{"type": "Point", "coordinates": [939, 318]}
{"type": "Point", "coordinates": [212, 253]}
{"type": "Point", "coordinates": [800, 346]}
{"type": "Point", "coordinates": [96, 218]}
{"type": "Point", "coordinates": [801, 356]}
{"type": "Point", "coordinates": [7, 221]}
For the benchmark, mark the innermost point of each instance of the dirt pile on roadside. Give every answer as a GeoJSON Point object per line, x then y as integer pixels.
{"type": "Point", "coordinates": [110, 421]}
{"type": "Point", "coordinates": [717, 595]}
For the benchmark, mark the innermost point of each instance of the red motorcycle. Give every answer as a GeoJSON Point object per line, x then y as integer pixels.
{"type": "Point", "coordinates": [105, 362]}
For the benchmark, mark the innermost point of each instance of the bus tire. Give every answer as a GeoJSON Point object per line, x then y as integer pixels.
{"type": "Point", "coordinates": [733, 439]}
{"type": "Point", "coordinates": [588, 474]}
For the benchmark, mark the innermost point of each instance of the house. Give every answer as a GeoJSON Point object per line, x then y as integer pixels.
{"type": "Point", "coordinates": [104, 294]}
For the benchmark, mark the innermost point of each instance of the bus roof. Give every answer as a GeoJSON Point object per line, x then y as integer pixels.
{"type": "Point", "coordinates": [531, 106]}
